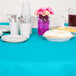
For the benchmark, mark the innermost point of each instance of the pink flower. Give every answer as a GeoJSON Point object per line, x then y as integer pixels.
{"type": "Point", "coordinates": [50, 10]}
{"type": "Point", "coordinates": [41, 11]}
{"type": "Point", "coordinates": [45, 11]}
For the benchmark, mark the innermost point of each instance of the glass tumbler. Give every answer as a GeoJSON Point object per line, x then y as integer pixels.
{"type": "Point", "coordinates": [72, 17]}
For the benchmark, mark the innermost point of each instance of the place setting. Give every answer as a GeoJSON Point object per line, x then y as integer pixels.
{"type": "Point", "coordinates": [19, 26]}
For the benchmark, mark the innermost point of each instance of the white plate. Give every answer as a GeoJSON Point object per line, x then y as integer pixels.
{"type": "Point", "coordinates": [57, 40]}
{"type": "Point", "coordinates": [4, 28]}
{"type": "Point", "coordinates": [13, 38]}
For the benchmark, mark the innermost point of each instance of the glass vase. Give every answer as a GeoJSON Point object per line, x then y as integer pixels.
{"type": "Point", "coordinates": [43, 24]}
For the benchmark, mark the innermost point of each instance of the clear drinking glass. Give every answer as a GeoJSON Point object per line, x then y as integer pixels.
{"type": "Point", "coordinates": [26, 14]}
{"type": "Point", "coordinates": [72, 17]}
{"type": "Point", "coordinates": [26, 11]}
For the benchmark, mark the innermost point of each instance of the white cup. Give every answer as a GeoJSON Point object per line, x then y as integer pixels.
{"type": "Point", "coordinates": [25, 29]}
{"type": "Point", "coordinates": [14, 28]}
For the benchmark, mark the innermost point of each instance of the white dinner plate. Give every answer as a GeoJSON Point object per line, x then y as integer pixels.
{"type": "Point", "coordinates": [4, 28]}
{"type": "Point", "coordinates": [13, 38]}
{"type": "Point", "coordinates": [57, 40]}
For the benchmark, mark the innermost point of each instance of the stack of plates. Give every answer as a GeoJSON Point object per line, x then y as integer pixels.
{"type": "Point", "coordinates": [4, 28]}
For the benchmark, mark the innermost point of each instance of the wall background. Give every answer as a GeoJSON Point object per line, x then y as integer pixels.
{"type": "Point", "coordinates": [14, 6]}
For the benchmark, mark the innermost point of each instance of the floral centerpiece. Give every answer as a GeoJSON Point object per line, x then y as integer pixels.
{"type": "Point", "coordinates": [43, 19]}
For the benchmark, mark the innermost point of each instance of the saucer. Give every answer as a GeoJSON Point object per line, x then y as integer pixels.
{"type": "Point", "coordinates": [13, 38]}
{"type": "Point", "coordinates": [4, 28]}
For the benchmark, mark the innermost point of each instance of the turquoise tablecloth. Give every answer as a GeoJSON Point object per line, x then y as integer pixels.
{"type": "Point", "coordinates": [38, 57]}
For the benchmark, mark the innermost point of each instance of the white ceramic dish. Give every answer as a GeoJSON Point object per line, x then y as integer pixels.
{"type": "Point", "coordinates": [4, 28]}
{"type": "Point", "coordinates": [13, 38]}
{"type": "Point", "coordinates": [57, 40]}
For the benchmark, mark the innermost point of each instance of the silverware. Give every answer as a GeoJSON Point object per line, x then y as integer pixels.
{"type": "Point", "coordinates": [12, 18]}
{"type": "Point", "coordinates": [21, 19]}
{"type": "Point", "coordinates": [9, 17]}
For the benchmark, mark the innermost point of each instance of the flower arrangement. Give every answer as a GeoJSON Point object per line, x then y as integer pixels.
{"type": "Point", "coordinates": [44, 11]}
{"type": "Point", "coordinates": [43, 19]}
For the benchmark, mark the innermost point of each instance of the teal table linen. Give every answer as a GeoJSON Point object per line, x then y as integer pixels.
{"type": "Point", "coordinates": [4, 23]}
{"type": "Point", "coordinates": [38, 57]}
